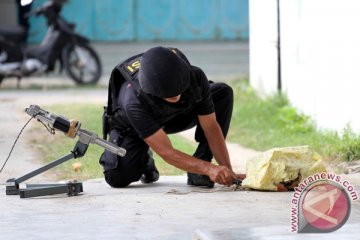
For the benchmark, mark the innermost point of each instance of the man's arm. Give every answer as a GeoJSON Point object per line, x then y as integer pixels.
{"type": "Point", "coordinates": [216, 141]}
{"type": "Point", "coordinates": [161, 144]}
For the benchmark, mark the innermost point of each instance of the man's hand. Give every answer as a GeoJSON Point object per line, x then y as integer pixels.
{"type": "Point", "coordinates": [223, 175]}
{"type": "Point", "coordinates": [240, 176]}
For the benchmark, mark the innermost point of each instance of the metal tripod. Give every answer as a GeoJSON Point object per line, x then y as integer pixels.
{"type": "Point", "coordinates": [36, 190]}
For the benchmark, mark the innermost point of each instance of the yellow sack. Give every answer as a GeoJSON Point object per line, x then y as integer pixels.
{"type": "Point", "coordinates": [279, 165]}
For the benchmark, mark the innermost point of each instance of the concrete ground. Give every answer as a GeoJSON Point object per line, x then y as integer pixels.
{"type": "Point", "coordinates": [148, 212]}
{"type": "Point", "coordinates": [140, 211]}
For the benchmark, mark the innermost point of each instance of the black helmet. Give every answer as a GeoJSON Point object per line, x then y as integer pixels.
{"type": "Point", "coordinates": [163, 73]}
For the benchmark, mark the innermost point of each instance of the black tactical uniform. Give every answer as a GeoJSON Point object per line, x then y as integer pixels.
{"type": "Point", "coordinates": [136, 110]}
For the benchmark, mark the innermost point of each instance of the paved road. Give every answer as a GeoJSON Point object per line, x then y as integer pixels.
{"type": "Point", "coordinates": [148, 212]}
{"type": "Point", "coordinates": [222, 61]}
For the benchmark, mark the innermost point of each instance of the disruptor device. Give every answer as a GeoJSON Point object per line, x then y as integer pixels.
{"type": "Point", "coordinates": [72, 129]}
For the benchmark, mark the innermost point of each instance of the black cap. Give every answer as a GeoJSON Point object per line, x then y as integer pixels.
{"type": "Point", "coordinates": [163, 73]}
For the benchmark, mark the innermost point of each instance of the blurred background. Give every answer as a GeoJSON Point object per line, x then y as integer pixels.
{"type": "Point", "coordinates": [292, 63]}
{"type": "Point", "coordinates": [156, 20]}
{"type": "Point", "coordinates": [205, 30]}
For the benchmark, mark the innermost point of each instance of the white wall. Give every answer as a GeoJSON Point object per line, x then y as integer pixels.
{"type": "Point", "coordinates": [320, 46]}
{"type": "Point", "coordinates": [262, 44]}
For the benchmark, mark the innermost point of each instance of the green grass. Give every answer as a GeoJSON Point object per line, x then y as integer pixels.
{"type": "Point", "coordinates": [53, 146]}
{"type": "Point", "coordinates": [272, 122]}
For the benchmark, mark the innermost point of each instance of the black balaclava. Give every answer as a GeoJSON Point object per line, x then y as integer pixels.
{"type": "Point", "coordinates": [163, 73]}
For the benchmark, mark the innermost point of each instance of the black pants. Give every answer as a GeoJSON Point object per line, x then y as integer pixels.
{"type": "Point", "coordinates": [128, 169]}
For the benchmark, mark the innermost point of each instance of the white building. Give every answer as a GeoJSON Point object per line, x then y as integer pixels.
{"type": "Point", "coordinates": [320, 56]}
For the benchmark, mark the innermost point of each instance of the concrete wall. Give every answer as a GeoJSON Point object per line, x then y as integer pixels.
{"type": "Point", "coordinates": [320, 52]}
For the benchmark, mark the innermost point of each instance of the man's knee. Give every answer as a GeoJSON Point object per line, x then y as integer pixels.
{"type": "Point", "coordinates": [117, 178]}
{"type": "Point", "coordinates": [227, 90]}
{"type": "Point", "coordinates": [222, 91]}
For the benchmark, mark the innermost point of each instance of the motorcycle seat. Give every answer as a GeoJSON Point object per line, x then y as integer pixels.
{"type": "Point", "coordinates": [13, 33]}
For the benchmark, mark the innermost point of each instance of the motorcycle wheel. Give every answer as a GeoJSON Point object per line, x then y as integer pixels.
{"type": "Point", "coordinates": [82, 64]}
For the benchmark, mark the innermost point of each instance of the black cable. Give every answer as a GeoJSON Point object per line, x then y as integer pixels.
{"type": "Point", "coordinates": [12, 148]}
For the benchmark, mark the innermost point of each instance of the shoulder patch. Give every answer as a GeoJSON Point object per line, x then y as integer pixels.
{"type": "Point", "coordinates": [133, 66]}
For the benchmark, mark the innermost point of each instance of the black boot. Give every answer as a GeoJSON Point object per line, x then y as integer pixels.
{"type": "Point", "coordinates": [203, 153]}
{"type": "Point", "coordinates": [151, 174]}
{"type": "Point", "coordinates": [199, 180]}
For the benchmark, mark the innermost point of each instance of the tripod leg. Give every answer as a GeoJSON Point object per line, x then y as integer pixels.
{"type": "Point", "coordinates": [12, 185]}
{"type": "Point", "coordinates": [37, 190]}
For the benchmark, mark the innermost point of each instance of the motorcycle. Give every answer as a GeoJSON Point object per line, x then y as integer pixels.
{"type": "Point", "coordinates": [60, 44]}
